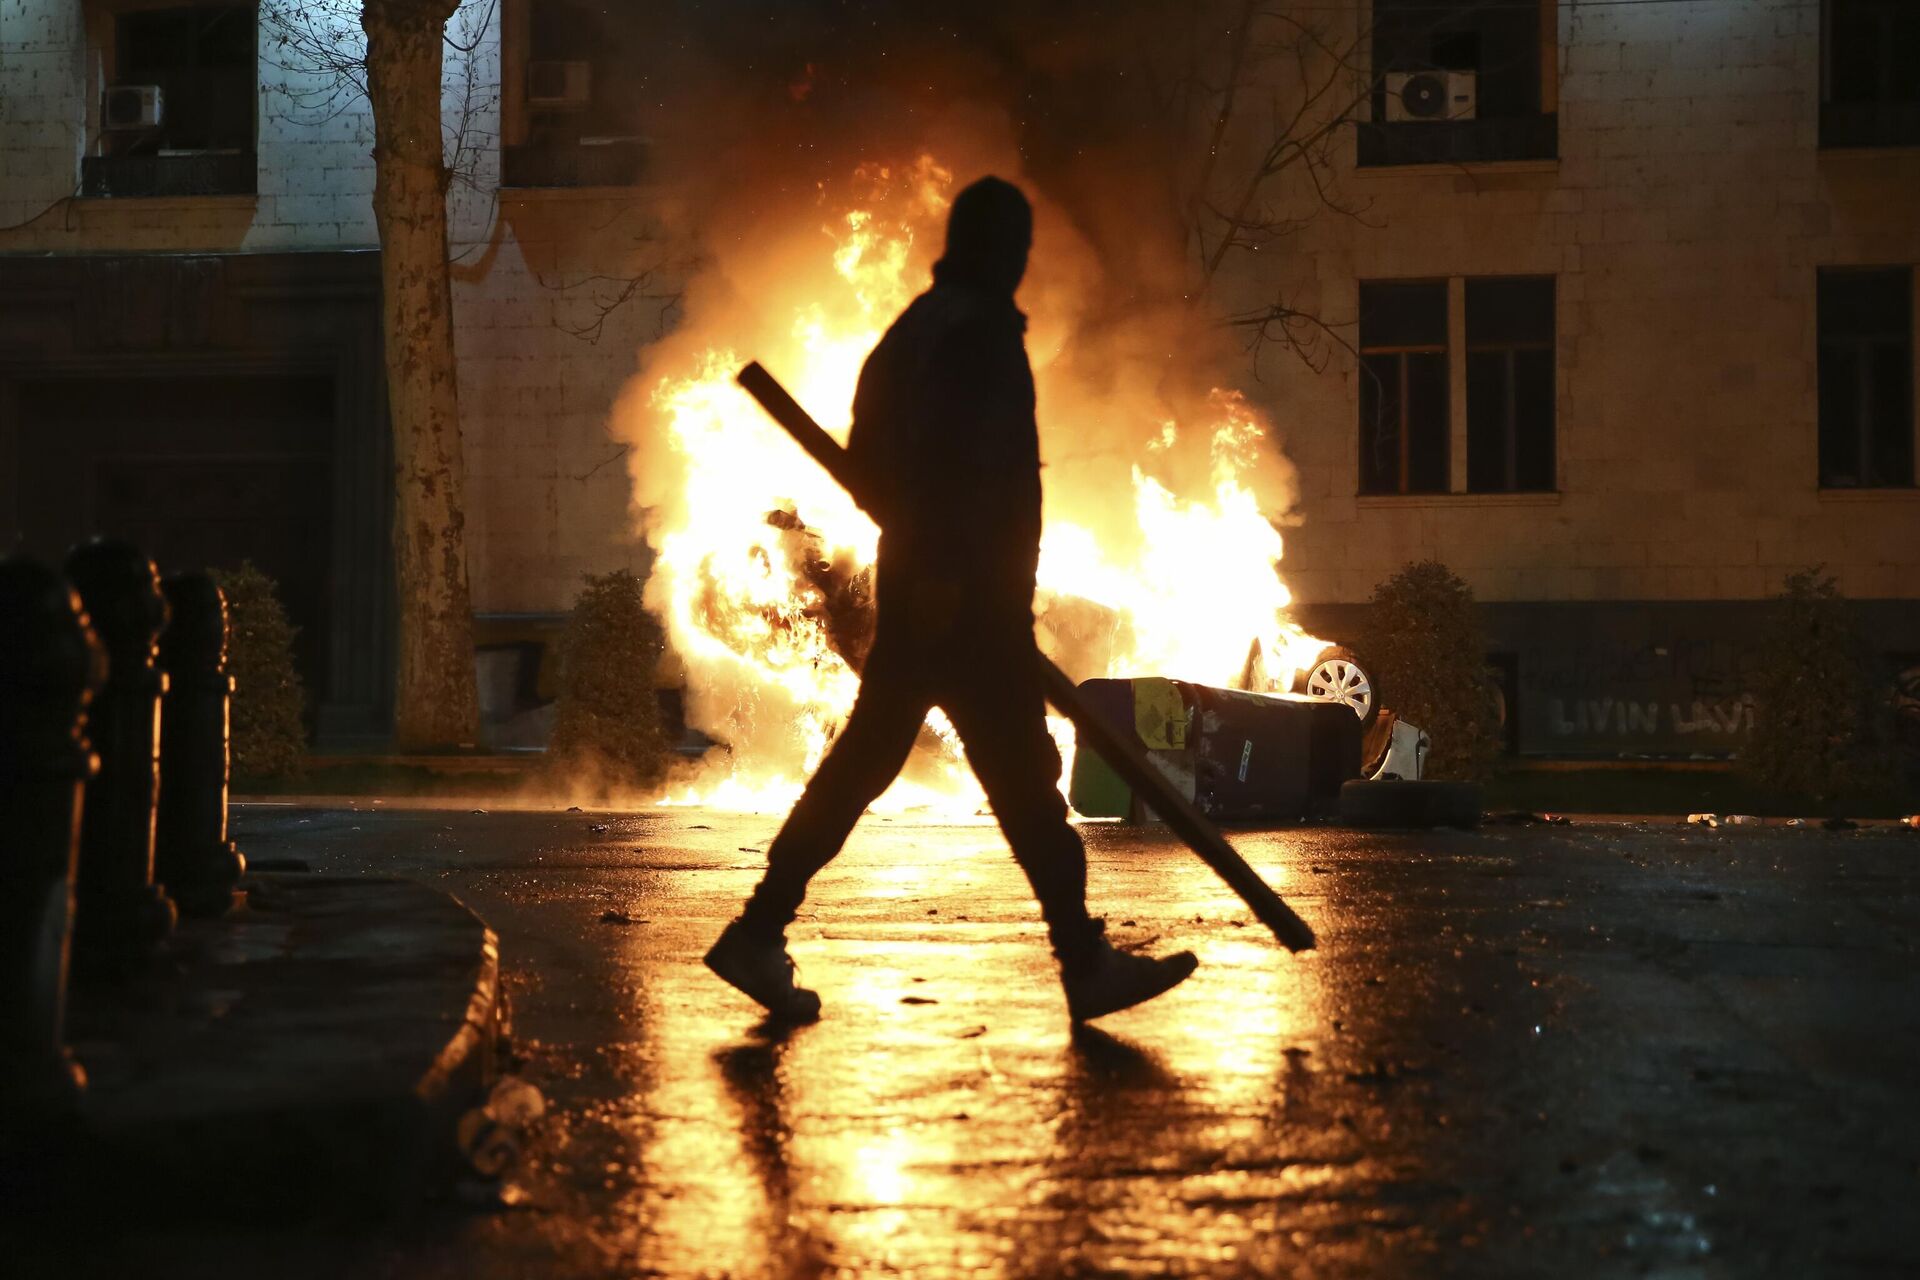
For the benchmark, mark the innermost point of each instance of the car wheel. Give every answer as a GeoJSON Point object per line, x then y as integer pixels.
{"type": "Point", "coordinates": [1336, 675]}
{"type": "Point", "coordinates": [1395, 802]}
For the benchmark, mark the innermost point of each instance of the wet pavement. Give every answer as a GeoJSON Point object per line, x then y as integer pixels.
{"type": "Point", "coordinates": [1599, 1050]}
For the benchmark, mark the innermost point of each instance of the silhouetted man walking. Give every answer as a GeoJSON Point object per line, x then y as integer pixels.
{"type": "Point", "coordinates": [943, 423]}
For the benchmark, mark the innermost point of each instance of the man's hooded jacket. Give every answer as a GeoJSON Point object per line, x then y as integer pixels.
{"type": "Point", "coordinates": [943, 420]}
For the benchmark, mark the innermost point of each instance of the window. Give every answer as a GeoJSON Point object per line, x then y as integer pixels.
{"type": "Point", "coordinates": [1866, 378]}
{"type": "Point", "coordinates": [1510, 385]}
{"type": "Point", "coordinates": [1870, 73]}
{"type": "Point", "coordinates": [194, 136]}
{"type": "Point", "coordinates": [1460, 81]}
{"type": "Point", "coordinates": [1403, 388]}
{"type": "Point", "coordinates": [574, 107]}
{"type": "Point", "coordinates": [1410, 440]}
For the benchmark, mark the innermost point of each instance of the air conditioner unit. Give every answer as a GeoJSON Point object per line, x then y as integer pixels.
{"type": "Point", "coordinates": [130, 106]}
{"type": "Point", "coordinates": [1431, 95]}
{"type": "Point", "coordinates": [553, 85]}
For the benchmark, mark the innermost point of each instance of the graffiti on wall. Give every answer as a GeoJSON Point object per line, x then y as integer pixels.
{"type": "Point", "coordinates": [1628, 718]}
{"type": "Point", "coordinates": [1620, 695]}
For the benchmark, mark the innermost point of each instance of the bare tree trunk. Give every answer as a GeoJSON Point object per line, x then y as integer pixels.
{"type": "Point", "coordinates": [434, 701]}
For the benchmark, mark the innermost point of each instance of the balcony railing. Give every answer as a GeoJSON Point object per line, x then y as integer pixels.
{"type": "Point", "coordinates": [203, 173]}
{"type": "Point", "coordinates": [613, 162]}
{"type": "Point", "coordinates": [1869, 124]}
{"type": "Point", "coordinates": [1459, 141]}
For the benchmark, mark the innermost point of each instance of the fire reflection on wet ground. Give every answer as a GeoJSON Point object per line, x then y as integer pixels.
{"type": "Point", "coordinates": [943, 1116]}
{"type": "Point", "coordinates": [1517, 1051]}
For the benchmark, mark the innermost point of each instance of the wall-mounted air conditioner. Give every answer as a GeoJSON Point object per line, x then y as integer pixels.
{"type": "Point", "coordinates": [1430, 95]}
{"type": "Point", "coordinates": [552, 84]}
{"type": "Point", "coordinates": [130, 106]}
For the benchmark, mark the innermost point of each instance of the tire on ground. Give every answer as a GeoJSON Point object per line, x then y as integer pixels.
{"type": "Point", "coordinates": [1396, 803]}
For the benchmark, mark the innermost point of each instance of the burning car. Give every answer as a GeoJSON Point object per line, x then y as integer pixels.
{"type": "Point", "coordinates": [1163, 537]}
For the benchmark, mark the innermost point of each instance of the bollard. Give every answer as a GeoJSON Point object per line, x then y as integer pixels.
{"type": "Point", "coordinates": [50, 664]}
{"type": "Point", "coordinates": [122, 915]}
{"type": "Point", "coordinates": [192, 858]}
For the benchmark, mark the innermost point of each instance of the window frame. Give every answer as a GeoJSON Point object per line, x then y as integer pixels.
{"type": "Point", "coordinates": [536, 156]}
{"type": "Point", "coordinates": [1400, 351]}
{"type": "Point", "coordinates": [1527, 137]}
{"type": "Point", "coordinates": [1456, 440]}
{"type": "Point", "coordinates": [119, 171]}
{"type": "Point", "coordinates": [1510, 347]}
{"type": "Point", "coordinates": [1858, 347]}
{"type": "Point", "coordinates": [1873, 123]}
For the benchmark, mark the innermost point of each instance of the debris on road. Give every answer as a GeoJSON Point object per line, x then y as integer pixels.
{"type": "Point", "coordinates": [1703, 820]}
{"type": "Point", "coordinates": [486, 1195]}
{"type": "Point", "coordinates": [491, 1135]}
{"type": "Point", "coordinates": [1743, 820]}
{"type": "Point", "coordinates": [1526, 818]}
{"type": "Point", "coordinates": [613, 915]}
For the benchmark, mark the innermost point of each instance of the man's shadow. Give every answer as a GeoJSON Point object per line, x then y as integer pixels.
{"type": "Point", "coordinates": [1110, 1086]}
{"type": "Point", "coordinates": [753, 1079]}
{"type": "Point", "coordinates": [1107, 1085]}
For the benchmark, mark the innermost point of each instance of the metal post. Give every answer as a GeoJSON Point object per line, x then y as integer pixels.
{"type": "Point", "coordinates": [192, 857]}
{"type": "Point", "coordinates": [50, 665]}
{"type": "Point", "coordinates": [123, 915]}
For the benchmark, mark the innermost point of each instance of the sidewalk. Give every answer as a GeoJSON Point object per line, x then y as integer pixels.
{"type": "Point", "coordinates": [313, 1048]}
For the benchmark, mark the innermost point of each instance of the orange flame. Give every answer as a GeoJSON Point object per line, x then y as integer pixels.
{"type": "Point", "coordinates": [1177, 577]}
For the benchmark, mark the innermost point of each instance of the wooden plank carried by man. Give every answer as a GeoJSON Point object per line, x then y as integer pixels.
{"type": "Point", "coordinates": [944, 454]}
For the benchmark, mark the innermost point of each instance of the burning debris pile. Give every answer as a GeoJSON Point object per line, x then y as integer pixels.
{"type": "Point", "coordinates": [1160, 553]}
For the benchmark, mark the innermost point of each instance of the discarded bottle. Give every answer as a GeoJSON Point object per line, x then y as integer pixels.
{"type": "Point", "coordinates": [1742, 820]}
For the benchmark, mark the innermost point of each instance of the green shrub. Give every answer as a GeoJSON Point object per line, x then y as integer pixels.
{"type": "Point", "coordinates": [1816, 731]}
{"type": "Point", "coordinates": [1424, 646]}
{"type": "Point", "coordinates": [268, 739]}
{"type": "Point", "coordinates": [606, 727]}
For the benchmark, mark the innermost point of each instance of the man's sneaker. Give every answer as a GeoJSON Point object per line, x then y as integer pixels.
{"type": "Point", "coordinates": [1105, 979]}
{"type": "Point", "coordinates": [761, 968]}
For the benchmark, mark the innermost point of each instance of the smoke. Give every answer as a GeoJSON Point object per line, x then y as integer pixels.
{"type": "Point", "coordinates": [775, 113]}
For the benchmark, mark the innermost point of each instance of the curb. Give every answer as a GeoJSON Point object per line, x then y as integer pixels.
{"type": "Point", "coordinates": [313, 1050]}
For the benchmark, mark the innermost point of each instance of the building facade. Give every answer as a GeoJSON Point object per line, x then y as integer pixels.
{"type": "Point", "coordinates": [1629, 307]}
{"type": "Point", "coordinates": [189, 327]}
{"type": "Point", "coordinates": [1635, 342]}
